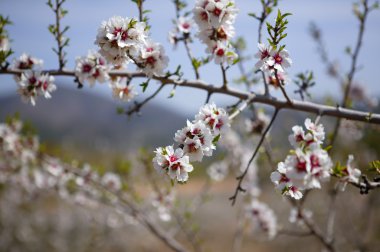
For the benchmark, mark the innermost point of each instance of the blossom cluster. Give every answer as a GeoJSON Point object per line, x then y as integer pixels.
{"type": "Point", "coordinates": [262, 218]}
{"type": "Point", "coordinates": [91, 68]}
{"type": "Point", "coordinates": [122, 40]}
{"type": "Point", "coordinates": [32, 82]}
{"type": "Point", "coordinates": [181, 30]}
{"type": "Point", "coordinates": [195, 141]}
{"type": "Point", "coordinates": [273, 62]}
{"type": "Point", "coordinates": [215, 20]}
{"type": "Point", "coordinates": [307, 165]}
{"type": "Point", "coordinates": [21, 163]}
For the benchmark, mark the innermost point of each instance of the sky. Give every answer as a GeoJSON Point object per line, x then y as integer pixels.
{"type": "Point", "coordinates": [339, 26]}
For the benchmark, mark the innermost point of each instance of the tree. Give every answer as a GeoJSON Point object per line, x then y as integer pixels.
{"type": "Point", "coordinates": [309, 165]}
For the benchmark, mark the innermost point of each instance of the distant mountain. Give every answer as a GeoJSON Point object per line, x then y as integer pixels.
{"type": "Point", "coordinates": [83, 120]}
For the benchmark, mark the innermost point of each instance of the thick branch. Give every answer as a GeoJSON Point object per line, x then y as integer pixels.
{"type": "Point", "coordinates": [304, 106]}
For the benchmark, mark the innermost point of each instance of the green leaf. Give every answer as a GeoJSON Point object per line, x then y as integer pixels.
{"type": "Point", "coordinates": [120, 110]}
{"type": "Point", "coordinates": [144, 85]}
{"type": "Point", "coordinates": [216, 139]}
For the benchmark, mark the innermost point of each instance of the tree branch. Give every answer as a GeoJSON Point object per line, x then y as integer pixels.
{"type": "Point", "coordinates": [304, 106]}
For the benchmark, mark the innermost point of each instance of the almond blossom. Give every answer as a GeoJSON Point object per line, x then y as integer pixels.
{"type": "Point", "coordinates": [352, 175]}
{"type": "Point", "coordinates": [196, 139]}
{"type": "Point", "coordinates": [33, 84]}
{"type": "Point", "coordinates": [91, 68]}
{"type": "Point", "coordinates": [214, 118]}
{"type": "Point", "coordinates": [214, 20]}
{"type": "Point", "coordinates": [279, 60]}
{"type": "Point", "coordinates": [173, 162]}
{"type": "Point", "coordinates": [261, 218]}
{"type": "Point", "coordinates": [27, 62]}
{"type": "Point", "coordinates": [111, 181]}
{"type": "Point", "coordinates": [122, 90]}
{"type": "Point", "coordinates": [307, 165]}
{"type": "Point", "coordinates": [119, 37]}
{"type": "Point", "coordinates": [152, 59]}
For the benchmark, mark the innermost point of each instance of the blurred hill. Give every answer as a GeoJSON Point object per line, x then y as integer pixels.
{"type": "Point", "coordinates": [78, 119]}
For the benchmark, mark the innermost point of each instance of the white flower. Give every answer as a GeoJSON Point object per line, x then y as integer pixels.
{"type": "Point", "coordinates": [263, 55]}
{"type": "Point", "coordinates": [174, 163]}
{"type": "Point", "coordinates": [53, 167]}
{"type": "Point", "coordinates": [201, 16]}
{"type": "Point", "coordinates": [223, 53]}
{"type": "Point", "coordinates": [184, 24]}
{"type": "Point", "coordinates": [91, 68]}
{"type": "Point", "coordinates": [33, 84]}
{"type": "Point", "coordinates": [220, 12]}
{"type": "Point", "coordinates": [315, 134]}
{"type": "Point", "coordinates": [277, 81]}
{"type": "Point", "coordinates": [213, 117]}
{"type": "Point", "coordinates": [307, 165]}
{"type": "Point", "coordinates": [118, 37]}
{"type": "Point", "coordinates": [27, 62]}
{"type": "Point", "coordinates": [351, 174]}
{"type": "Point", "coordinates": [218, 171]}
{"type": "Point", "coordinates": [222, 34]}
{"type": "Point", "coordinates": [86, 175]}
{"type": "Point", "coordinates": [279, 60]}
{"type": "Point", "coordinates": [163, 203]}
{"type": "Point", "coordinates": [262, 218]}
{"type": "Point", "coordinates": [121, 90]}
{"type": "Point", "coordinates": [318, 131]}
{"type": "Point", "coordinates": [196, 139]}
{"type": "Point", "coordinates": [111, 181]}
{"type": "Point", "coordinates": [152, 59]}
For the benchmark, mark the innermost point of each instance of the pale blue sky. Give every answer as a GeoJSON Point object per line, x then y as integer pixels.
{"type": "Point", "coordinates": [31, 18]}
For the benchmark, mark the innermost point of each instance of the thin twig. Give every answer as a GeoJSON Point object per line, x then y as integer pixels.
{"type": "Point", "coordinates": [351, 74]}
{"type": "Point", "coordinates": [240, 178]}
{"type": "Point", "coordinates": [139, 105]}
{"type": "Point", "coordinates": [225, 82]}
{"type": "Point", "coordinates": [190, 55]}
{"type": "Point", "coordinates": [280, 84]}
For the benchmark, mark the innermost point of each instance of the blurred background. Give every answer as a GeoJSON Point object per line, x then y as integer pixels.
{"type": "Point", "coordinates": [82, 124]}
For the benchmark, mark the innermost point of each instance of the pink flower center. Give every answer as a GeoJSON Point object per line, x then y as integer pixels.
{"type": "Point", "coordinates": [116, 31]}
{"type": "Point", "coordinates": [173, 158]}
{"type": "Point", "coordinates": [278, 59]}
{"type": "Point", "coordinates": [299, 138]}
{"type": "Point", "coordinates": [86, 68]}
{"type": "Point", "coordinates": [32, 80]}
{"type": "Point", "coordinates": [217, 12]}
{"type": "Point", "coordinates": [314, 161]}
{"type": "Point", "coordinates": [264, 54]}
{"type": "Point", "coordinates": [149, 49]}
{"type": "Point", "coordinates": [204, 16]}
{"type": "Point", "coordinates": [176, 166]}
{"type": "Point", "coordinates": [283, 179]}
{"type": "Point", "coordinates": [186, 26]}
{"type": "Point", "coordinates": [45, 85]}
{"type": "Point", "coordinates": [96, 74]}
{"type": "Point", "coordinates": [220, 52]}
{"type": "Point", "coordinates": [124, 36]}
{"type": "Point", "coordinates": [219, 124]}
{"type": "Point", "coordinates": [151, 60]}
{"type": "Point", "coordinates": [301, 166]}
{"type": "Point", "coordinates": [192, 147]}
{"type": "Point", "coordinates": [196, 131]}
